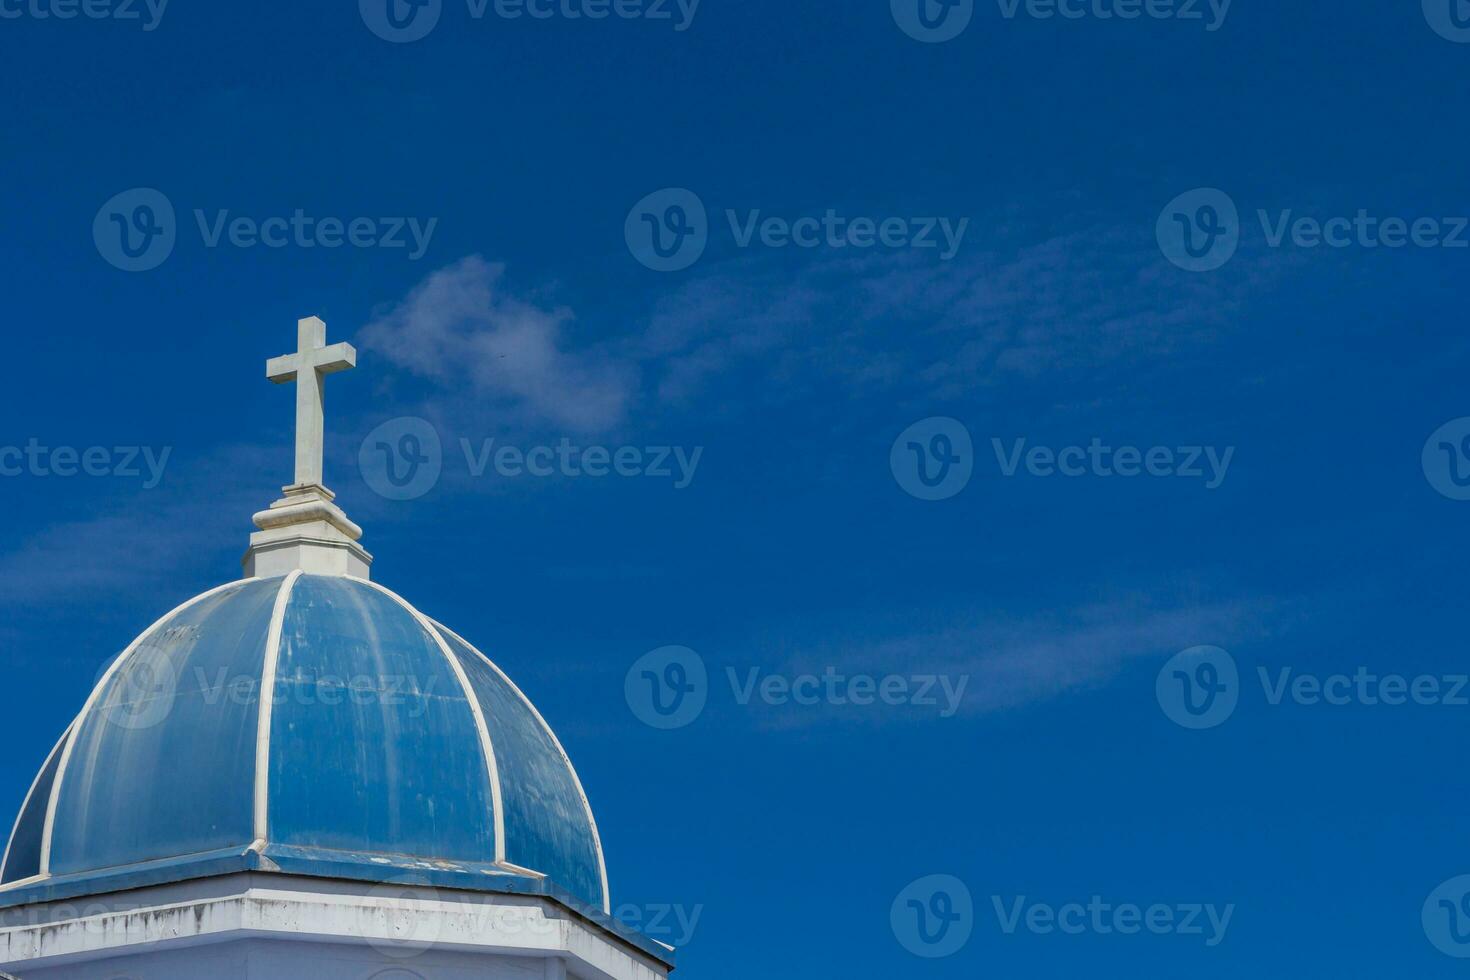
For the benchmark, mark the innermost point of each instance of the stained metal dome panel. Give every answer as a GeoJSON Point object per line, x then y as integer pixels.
{"type": "Point", "coordinates": [386, 743]}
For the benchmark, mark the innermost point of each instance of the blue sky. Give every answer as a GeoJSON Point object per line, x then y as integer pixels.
{"type": "Point", "coordinates": [520, 147]}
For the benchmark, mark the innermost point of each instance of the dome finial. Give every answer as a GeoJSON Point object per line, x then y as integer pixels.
{"type": "Point", "coordinates": [305, 529]}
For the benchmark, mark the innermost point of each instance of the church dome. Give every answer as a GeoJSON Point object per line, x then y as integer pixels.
{"type": "Point", "coordinates": [388, 749]}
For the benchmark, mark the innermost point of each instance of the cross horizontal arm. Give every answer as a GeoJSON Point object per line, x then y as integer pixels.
{"type": "Point", "coordinates": [338, 357]}
{"type": "Point", "coordinates": [326, 360]}
{"type": "Point", "coordinates": [282, 369]}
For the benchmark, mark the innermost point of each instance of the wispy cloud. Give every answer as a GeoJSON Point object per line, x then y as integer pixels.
{"type": "Point", "coordinates": [462, 325]}
{"type": "Point", "coordinates": [192, 526]}
{"type": "Point", "coordinates": [1009, 309]}
{"type": "Point", "coordinates": [1011, 663]}
{"type": "Point", "coordinates": [1084, 301]}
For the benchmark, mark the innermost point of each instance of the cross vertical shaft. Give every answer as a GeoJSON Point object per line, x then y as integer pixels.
{"type": "Point", "coordinates": [311, 412]}
{"type": "Point", "coordinates": [313, 359]}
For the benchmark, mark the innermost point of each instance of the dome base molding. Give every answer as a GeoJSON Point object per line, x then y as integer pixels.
{"type": "Point", "coordinates": [253, 925]}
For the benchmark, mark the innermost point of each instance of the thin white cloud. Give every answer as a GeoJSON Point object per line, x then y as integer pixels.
{"type": "Point", "coordinates": [1011, 664]}
{"type": "Point", "coordinates": [1085, 301]}
{"type": "Point", "coordinates": [1006, 310]}
{"type": "Point", "coordinates": [461, 325]}
{"type": "Point", "coordinates": [193, 526]}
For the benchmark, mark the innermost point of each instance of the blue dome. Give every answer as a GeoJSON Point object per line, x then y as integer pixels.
{"type": "Point", "coordinates": [389, 748]}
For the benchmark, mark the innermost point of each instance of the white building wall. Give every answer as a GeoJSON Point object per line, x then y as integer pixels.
{"type": "Point", "coordinates": [268, 959]}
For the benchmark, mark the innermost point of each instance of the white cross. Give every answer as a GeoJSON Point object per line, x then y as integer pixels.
{"type": "Point", "coordinates": [312, 360]}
